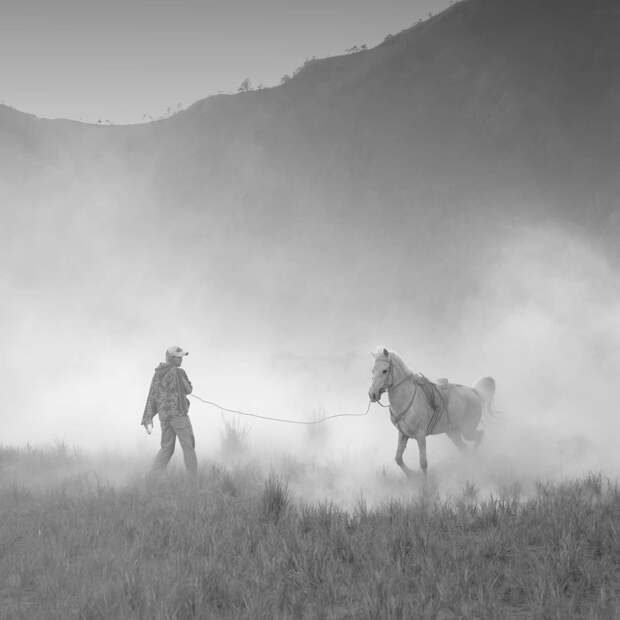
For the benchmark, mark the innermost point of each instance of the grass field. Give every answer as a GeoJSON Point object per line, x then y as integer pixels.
{"type": "Point", "coordinates": [242, 544]}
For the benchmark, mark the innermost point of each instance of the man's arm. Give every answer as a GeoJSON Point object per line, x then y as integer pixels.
{"type": "Point", "coordinates": [186, 386]}
{"type": "Point", "coordinates": [150, 409]}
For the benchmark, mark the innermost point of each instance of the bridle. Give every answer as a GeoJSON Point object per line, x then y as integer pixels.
{"type": "Point", "coordinates": [387, 387]}
{"type": "Point", "coordinates": [390, 375]}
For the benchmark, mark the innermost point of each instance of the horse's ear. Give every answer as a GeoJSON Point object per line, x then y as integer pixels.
{"type": "Point", "coordinates": [374, 355]}
{"type": "Point", "coordinates": [386, 353]}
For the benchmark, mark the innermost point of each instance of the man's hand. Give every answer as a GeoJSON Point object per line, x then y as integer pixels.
{"type": "Point", "coordinates": [148, 428]}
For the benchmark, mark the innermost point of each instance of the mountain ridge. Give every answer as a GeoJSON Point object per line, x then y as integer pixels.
{"type": "Point", "coordinates": [486, 83]}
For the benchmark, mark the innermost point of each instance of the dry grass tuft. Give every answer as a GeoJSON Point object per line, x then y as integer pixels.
{"type": "Point", "coordinates": [234, 439]}
{"type": "Point", "coordinates": [275, 498]}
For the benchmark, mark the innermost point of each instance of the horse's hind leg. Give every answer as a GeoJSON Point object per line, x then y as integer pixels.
{"type": "Point", "coordinates": [402, 444]}
{"type": "Point", "coordinates": [457, 440]}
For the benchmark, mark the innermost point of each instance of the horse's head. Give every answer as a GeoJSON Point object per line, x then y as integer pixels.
{"type": "Point", "coordinates": [381, 373]}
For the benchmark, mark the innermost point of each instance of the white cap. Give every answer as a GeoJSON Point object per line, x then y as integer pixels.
{"type": "Point", "coordinates": [176, 351]}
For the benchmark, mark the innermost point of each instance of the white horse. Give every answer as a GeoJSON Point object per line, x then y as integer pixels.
{"type": "Point", "coordinates": [419, 407]}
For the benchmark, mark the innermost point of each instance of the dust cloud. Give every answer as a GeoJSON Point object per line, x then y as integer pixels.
{"type": "Point", "coordinates": [90, 308]}
{"type": "Point", "coordinates": [544, 322]}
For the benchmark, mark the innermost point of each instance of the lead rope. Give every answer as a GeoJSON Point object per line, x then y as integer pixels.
{"type": "Point", "coordinates": [284, 420]}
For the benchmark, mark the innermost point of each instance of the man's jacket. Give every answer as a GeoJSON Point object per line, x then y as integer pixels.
{"type": "Point", "coordinates": [168, 394]}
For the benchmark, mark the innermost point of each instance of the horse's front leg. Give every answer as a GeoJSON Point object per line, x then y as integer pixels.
{"type": "Point", "coordinates": [402, 444]}
{"type": "Point", "coordinates": [421, 439]}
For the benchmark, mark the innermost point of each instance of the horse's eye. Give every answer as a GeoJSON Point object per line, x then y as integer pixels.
{"type": "Point", "coordinates": [385, 371]}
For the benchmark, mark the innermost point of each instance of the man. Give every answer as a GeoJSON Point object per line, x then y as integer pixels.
{"type": "Point", "coordinates": [168, 399]}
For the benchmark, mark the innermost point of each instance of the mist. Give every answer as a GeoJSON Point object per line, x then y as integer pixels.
{"type": "Point", "coordinates": [91, 307]}
{"type": "Point", "coordinates": [388, 198]}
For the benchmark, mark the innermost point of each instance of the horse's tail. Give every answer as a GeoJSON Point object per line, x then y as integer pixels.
{"type": "Point", "coordinates": [486, 388]}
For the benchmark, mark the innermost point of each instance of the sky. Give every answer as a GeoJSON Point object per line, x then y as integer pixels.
{"type": "Point", "coordinates": [125, 61]}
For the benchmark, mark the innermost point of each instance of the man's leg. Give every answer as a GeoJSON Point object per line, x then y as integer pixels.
{"type": "Point", "coordinates": [166, 451]}
{"type": "Point", "coordinates": [183, 428]}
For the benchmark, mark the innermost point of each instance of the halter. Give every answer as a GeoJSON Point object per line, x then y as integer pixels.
{"type": "Point", "coordinates": [407, 377]}
{"type": "Point", "coordinates": [390, 375]}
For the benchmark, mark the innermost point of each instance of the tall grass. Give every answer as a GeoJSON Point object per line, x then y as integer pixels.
{"type": "Point", "coordinates": [275, 499]}
{"type": "Point", "coordinates": [241, 546]}
{"type": "Point", "coordinates": [233, 438]}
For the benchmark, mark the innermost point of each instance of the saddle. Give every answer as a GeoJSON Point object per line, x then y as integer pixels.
{"type": "Point", "coordinates": [436, 394]}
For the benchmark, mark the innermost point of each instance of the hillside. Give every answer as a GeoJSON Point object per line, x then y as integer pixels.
{"type": "Point", "coordinates": [512, 96]}
{"type": "Point", "coordinates": [487, 96]}
{"type": "Point", "coordinates": [487, 101]}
